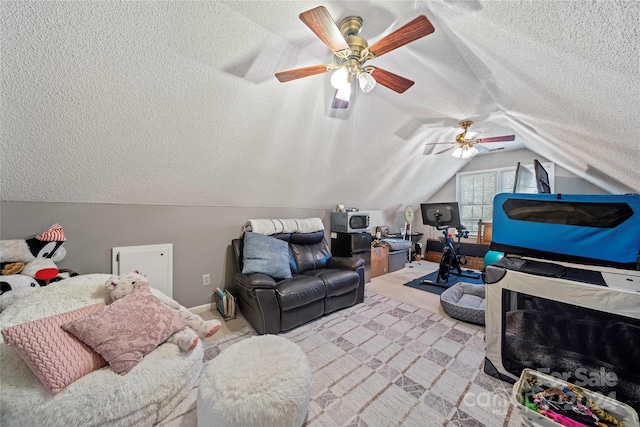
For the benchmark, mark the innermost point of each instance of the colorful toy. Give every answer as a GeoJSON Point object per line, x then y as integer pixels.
{"type": "Point", "coordinates": [187, 338]}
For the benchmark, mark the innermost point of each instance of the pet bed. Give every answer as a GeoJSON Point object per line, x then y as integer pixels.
{"type": "Point", "coordinates": [465, 301]}
{"type": "Point", "coordinates": [142, 397]}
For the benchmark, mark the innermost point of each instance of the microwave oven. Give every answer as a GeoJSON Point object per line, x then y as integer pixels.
{"type": "Point", "coordinates": [350, 222]}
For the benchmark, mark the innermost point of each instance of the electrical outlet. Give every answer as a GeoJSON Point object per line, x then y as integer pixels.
{"type": "Point", "coordinates": [206, 279]}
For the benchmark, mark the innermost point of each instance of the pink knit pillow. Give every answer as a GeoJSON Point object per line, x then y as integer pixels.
{"type": "Point", "coordinates": [128, 329]}
{"type": "Point", "coordinates": [56, 357]}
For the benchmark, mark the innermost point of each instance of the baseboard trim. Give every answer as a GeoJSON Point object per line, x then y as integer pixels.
{"type": "Point", "coordinates": [200, 308]}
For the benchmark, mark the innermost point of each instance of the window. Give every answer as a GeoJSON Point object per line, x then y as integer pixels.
{"type": "Point", "coordinates": [475, 191]}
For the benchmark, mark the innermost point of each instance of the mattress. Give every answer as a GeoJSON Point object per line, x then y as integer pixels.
{"type": "Point", "coordinates": [143, 397]}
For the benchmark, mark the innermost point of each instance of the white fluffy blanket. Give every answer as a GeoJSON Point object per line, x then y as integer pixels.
{"type": "Point", "coordinates": [143, 397]}
{"type": "Point", "coordinates": [276, 226]}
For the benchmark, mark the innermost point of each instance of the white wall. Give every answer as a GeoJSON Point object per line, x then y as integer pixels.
{"type": "Point", "coordinates": [201, 235]}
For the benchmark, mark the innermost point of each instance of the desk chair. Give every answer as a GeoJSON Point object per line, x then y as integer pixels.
{"type": "Point", "coordinates": [484, 232]}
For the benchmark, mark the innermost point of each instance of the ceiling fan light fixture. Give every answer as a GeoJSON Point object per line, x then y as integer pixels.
{"type": "Point", "coordinates": [366, 81]}
{"type": "Point", "coordinates": [469, 152]}
{"type": "Point", "coordinates": [344, 92]}
{"type": "Point", "coordinates": [464, 152]}
{"type": "Point", "coordinates": [340, 78]}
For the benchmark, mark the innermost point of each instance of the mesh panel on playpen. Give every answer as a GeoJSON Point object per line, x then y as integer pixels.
{"type": "Point", "coordinates": [591, 348]}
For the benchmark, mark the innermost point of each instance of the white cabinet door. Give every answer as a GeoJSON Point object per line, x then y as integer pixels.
{"type": "Point", "coordinates": [155, 261]}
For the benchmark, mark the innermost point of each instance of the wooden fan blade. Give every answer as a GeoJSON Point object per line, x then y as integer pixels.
{"type": "Point", "coordinates": [498, 139]}
{"type": "Point", "coordinates": [338, 103]}
{"type": "Point", "coordinates": [299, 73]}
{"type": "Point", "coordinates": [392, 81]}
{"type": "Point", "coordinates": [412, 31]}
{"type": "Point", "coordinates": [444, 151]}
{"type": "Point", "coordinates": [323, 25]}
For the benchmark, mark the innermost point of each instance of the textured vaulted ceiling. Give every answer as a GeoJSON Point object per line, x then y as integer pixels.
{"type": "Point", "coordinates": [176, 103]}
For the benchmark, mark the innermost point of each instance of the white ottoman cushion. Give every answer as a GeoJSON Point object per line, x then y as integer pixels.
{"type": "Point", "coordinates": [261, 381]}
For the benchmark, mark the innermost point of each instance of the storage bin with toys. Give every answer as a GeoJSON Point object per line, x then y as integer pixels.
{"type": "Point", "coordinates": [546, 401]}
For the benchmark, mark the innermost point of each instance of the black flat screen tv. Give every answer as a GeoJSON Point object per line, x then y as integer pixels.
{"type": "Point", "coordinates": [441, 214]}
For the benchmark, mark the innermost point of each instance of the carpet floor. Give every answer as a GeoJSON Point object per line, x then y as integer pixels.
{"type": "Point", "coordinates": [387, 363]}
{"type": "Point", "coordinates": [453, 279]}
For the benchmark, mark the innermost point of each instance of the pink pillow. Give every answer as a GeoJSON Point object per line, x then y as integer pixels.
{"type": "Point", "coordinates": [128, 329]}
{"type": "Point", "coordinates": [56, 357]}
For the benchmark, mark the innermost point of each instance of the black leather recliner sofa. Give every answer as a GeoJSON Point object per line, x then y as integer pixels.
{"type": "Point", "coordinates": [317, 286]}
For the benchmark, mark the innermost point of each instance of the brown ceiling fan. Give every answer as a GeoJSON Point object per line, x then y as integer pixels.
{"type": "Point", "coordinates": [351, 52]}
{"type": "Point", "coordinates": [465, 147]}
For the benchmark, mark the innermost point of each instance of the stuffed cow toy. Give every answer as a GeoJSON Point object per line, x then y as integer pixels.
{"type": "Point", "coordinates": [19, 285]}
{"type": "Point", "coordinates": [34, 256]}
{"type": "Point", "coordinates": [27, 264]}
{"type": "Point", "coordinates": [187, 338]}
{"type": "Point", "coordinates": [46, 245]}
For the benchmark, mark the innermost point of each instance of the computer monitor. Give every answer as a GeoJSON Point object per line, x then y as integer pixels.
{"type": "Point", "coordinates": [525, 180]}
{"type": "Point", "coordinates": [528, 181]}
{"type": "Point", "coordinates": [542, 178]}
{"type": "Point", "coordinates": [441, 214]}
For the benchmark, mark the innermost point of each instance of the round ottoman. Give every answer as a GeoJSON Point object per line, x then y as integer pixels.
{"type": "Point", "coordinates": [261, 381]}
{"type": "Point", "coordinates": [464, 301]}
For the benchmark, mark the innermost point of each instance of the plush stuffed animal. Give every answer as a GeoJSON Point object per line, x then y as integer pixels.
{"type": "Point", "coordinates": [37, 255]}
{"type": "Point", "coordinates": [45, 245]}
{"type": "Point", "coordinates": [15, 282]}
{"type": "Point", "coordinates": [63, 273]}
{"type": "Point", "coordinates": [19, 285]}
{"type": "Point", "coordinates": [28, 264]}
{"type": "Point", "coordinates": [187, 338]}
{"type": "Point", "coordinates": [41, 269]}
{"type": "Point", "coordinates": [7, 268]}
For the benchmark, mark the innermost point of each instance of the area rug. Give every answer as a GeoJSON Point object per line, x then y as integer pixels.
{"type": "Point", "coordinates": [434, 289]}
{"type": "Point", "coordinates": [387, 363]}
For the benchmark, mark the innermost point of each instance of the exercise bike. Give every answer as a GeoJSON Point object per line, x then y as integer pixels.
{"type": "Point", "coordinates": [451, 261]}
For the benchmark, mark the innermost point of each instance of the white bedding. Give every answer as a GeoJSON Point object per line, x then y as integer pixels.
{"type": "Point", "coordinates": [143, 397]}
{"type": "Point", "coordinates": [276, 226]}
